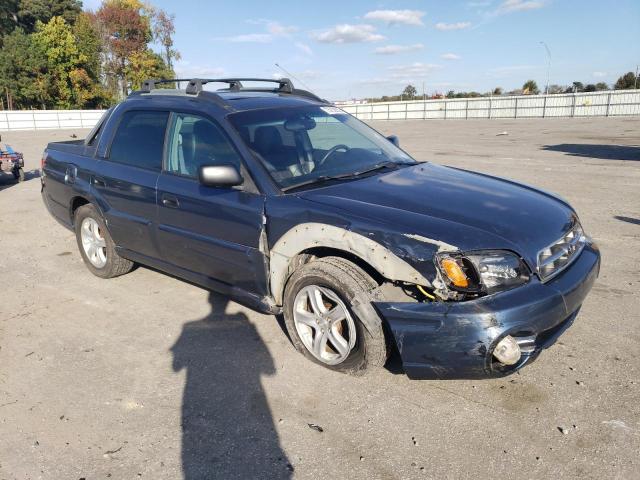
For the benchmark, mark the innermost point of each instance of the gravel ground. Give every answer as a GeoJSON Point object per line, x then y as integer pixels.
{"type": "Point", "coordinates": [148, 376]}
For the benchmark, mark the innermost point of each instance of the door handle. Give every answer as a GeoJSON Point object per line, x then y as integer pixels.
{"type": "Point", "coordinates": [99, 182]}
{"type": "Point", "coordinates": [170, 201]}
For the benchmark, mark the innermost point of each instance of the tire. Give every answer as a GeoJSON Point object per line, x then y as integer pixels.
{"type": "Point", "coordinates": [18, 174]}
{"type": "Point", "coordinates": [346, 281]}
{"type": "Point", "coordinates": [108, 264]}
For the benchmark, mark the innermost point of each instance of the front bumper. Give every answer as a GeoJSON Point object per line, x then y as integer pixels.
{"type": "Point", "coordinates": [456, 340]}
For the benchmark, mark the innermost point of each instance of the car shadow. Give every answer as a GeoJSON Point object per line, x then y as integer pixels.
{"type": "Point", "coordinates": [634, 221]}
{"type": "Point", "coordinates": [605, 152]}
{"type": "Point", "coordinates": [227, 427]}
{"type": "Point", "coordinates": [7, 180]}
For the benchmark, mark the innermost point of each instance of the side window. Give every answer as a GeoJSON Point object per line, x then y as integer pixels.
{"type": "Point", "coordinates": [139, 141]}
{"type": "Point", "coordinates": [196, 141]}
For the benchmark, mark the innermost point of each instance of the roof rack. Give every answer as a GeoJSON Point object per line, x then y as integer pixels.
{"type": "Point", "coordinates": [195, 86]}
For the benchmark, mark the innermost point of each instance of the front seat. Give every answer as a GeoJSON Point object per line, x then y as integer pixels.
{"type": "Point", "coordinates": [267, 141]}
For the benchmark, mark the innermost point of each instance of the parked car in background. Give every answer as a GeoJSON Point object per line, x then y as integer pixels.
{"type": "Point", "coordinates": [11, 161]}
{"type": "Point", "coordinates": [290, 206]}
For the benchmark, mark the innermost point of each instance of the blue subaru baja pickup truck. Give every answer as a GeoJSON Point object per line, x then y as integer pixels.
{"type": "Point", "coordinates": [288, 205]}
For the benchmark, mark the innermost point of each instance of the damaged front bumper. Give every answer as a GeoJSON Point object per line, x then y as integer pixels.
{"type": "Point", "coordinates": [456, 339]}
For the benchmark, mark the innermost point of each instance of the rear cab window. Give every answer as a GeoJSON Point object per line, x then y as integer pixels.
{"type": "Point", "coordinates": [139, 139]}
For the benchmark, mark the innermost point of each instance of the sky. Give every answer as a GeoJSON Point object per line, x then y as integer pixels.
{"type": "Point", "coordinates": [357, 49]}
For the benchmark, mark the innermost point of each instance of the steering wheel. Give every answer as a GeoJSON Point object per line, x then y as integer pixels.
{"type": "Point", "coordinates": [331, 152]}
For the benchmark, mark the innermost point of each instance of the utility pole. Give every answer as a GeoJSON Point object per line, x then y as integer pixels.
{"type": "Point", "coordinates": [424, 97]}
{"type": "Point", "coordinates": [635, 80]}
{"type": "Point", "coordinates": [546, 90]}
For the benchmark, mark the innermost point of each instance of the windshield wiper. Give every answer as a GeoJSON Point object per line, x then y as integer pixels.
{"type": "Point", "coordinates": [344, 176]}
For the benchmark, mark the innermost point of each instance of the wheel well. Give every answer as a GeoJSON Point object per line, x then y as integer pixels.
{"type": "Point", "coordinates": [76, 203]}
{"type": "Point", "coordinates": [319, 252]}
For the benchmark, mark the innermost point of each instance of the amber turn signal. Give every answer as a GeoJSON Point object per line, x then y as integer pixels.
{"type": "Point", "coordinates": [454, 272]}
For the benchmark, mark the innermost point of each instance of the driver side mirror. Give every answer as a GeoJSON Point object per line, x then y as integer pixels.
{"type": "Point", "coordinates": [219, 175]}
{"type": "Point", "coordinates": [394, 139]}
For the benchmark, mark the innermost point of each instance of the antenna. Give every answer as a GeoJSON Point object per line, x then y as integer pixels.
{"type": "Point", "coordinates": [291, 75]}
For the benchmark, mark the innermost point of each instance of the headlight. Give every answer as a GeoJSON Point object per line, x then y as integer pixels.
{"type": "Point", "coordinates": [487, 271]}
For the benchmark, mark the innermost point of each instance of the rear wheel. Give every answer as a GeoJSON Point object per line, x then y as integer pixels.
{"type": "Point", "coordinates": [320, 319]}
{"type": "Point", "coordinates": [96, 246]}
{"type": "Point", "coordinates": [18, 174]}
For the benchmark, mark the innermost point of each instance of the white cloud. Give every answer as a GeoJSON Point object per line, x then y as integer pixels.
{"type": "Point", "coordinates": [274, 30]}
{"type": "Point", "coordinates": [278, 30]}
{"type": "Point", "coordinates": [185, 69]}
{"type": "Point", "coordinates": [450, 56]}
{"type": "Point", "coordinates": [509, 6]}
{"type": "Point", "coordinates": [346, 33]}
{"type": "Point", "coordinates": [393, 17]}
{"type": "Point", "coordinates": [414, 70]}
{"type": "Point", "coordinates": [304, 48]}
{"type": "Point", "coordinates": [395, 49]}
{"type": "Point", "coordinates": [599, 74]}
{"type": "Point", "coordinates": [478, 4]}
{"type": "Point", "coordinates": [249, 38]}
{"type": "Point", "coordinates": [452, 26]}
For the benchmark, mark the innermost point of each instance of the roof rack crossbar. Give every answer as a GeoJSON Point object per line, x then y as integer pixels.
{"type": "Point", "coordinates": [195, 85]}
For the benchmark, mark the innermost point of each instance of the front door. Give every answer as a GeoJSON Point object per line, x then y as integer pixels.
{"type": "Point", "coordinates": [212, 231]}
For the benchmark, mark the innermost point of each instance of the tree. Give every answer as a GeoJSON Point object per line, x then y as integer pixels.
{"type": "Point", "coordinates": [530, 87]}
{"type": "Point", "coordinates": [409, 92]}
{"type": "Point", "coordinates": [32, 11]}
{"type": "Point", "coordinates": [590, 87]}
{"type": "Point", "coordinates": [627, 81]}
{"type": "Point", "coordinates": [163, 30]}
{"type": "Point", "coordinates": [144, 65]}
{"type": "Point", "coordinates": [8, 16]}
{"type": "Point", "coordinates": [126, 31]}
{"type": "Point", "coordinates": [451, 94]}
{"type": "Point", "coordinates": [578, 87]}
{"type": "Point", "coordinates": [497, 91]}
{"type": "Point", "coordinates": [56, 42]}
{"type": "Point", "coordinates": [24, 79]}
{"type": "Point", "coordinates": [602, 86]}
{"type": "Point", "coordinates": [554, 89]}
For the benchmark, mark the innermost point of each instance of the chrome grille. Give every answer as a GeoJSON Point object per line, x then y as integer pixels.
{"type": "Point", "coordinates": [557, 256]}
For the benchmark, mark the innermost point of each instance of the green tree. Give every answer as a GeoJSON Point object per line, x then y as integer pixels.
{"type": "Point", "coordinates": [451, 94]}
{"type": "Point", "coordinates": [530, 87]}
{"type": "Point", "coordinates": [554, 88]}
{"type": "Point", "coordinates": [627, 81]}
{"type": "Point", "coordinates": [24, 77]}
{"type": "Point", "coordinates": [32, 11]}
{"type": "Point", "coordinates": [497, 91]}
{"type": "Point", "coordinates": [578, 87]}
{"type": "Point", "coordinates": [590, 87]}
{"type": "Point", "coordinates": [56, 41]}
{"type": "Point", "coordinates": [8, 17]}
{"type": "Point", "coordinates": [409, 92]}
{"type": "Point", "coordinates": [602, 86]}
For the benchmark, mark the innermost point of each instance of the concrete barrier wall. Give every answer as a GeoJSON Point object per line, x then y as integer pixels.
{"type": "Point", "coordinates": [48, 119]}
{"type": "Point", "coordinates": [592, 104]}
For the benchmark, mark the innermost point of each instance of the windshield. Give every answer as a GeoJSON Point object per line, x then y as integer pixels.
{"type": "Point", "coordinates": [306, 145]}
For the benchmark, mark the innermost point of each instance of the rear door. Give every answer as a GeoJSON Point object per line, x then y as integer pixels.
{"type": "Point", "coordinates": [212, 231]}
{"type": "Point", "coordinates": [125, 180]}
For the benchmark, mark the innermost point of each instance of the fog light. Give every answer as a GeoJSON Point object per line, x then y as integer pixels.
{"type": "Point", "coordinates": [507, 351]}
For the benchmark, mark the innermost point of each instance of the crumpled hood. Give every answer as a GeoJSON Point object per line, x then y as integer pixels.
{"type": "Point", "coordinates": [455, 208]}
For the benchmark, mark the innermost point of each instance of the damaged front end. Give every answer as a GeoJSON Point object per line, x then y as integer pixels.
{"type": "Point", "coordinates": [479, 332]}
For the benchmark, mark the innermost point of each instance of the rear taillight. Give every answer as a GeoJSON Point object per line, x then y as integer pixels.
{"type": "Point", "coordinates": [43, 160]}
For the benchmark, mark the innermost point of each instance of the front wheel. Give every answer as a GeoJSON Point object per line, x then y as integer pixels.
{"type": "Point", "coordinates": [96, 246]}
{"type": "Point", "coordinates": [320, 319]}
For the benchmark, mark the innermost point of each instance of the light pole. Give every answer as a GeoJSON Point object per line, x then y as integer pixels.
{"type": "Point", "coordinates": [546, 90]}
